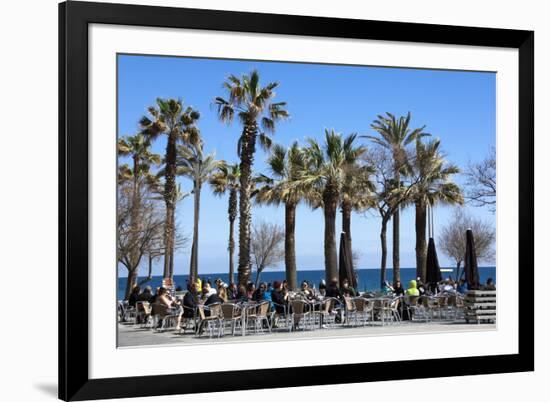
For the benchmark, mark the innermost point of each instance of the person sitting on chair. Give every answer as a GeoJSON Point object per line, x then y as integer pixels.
{"type": "Point", "coordinates": [398, 289]}
{"type": "Point", "coordinates": [412, 290]}
{"type": "Point", "coordinates": [219, 297]}
{"type": "Point", "coordinates": [133, 298]}
{"type": "Point", "coordinates": [166, 302]}
{"type": "Point", "coordinates": [306, 291]}
{"type": "Point", "coordinates": [146, 295]}
{"type": "Point", "coordinates": [280, 298]}
{"type": "Point", "coordinates": [250, 289]}
{"type": "Point", "coordinates": [347, 290]}
{"type": "Point", "coordinates": [190, 301]}
{"type": "Point", "coordinates": [258, 294]}
{"type": "Point", "coordinates": [489, 285]}
{"type": "Point", "coordinates": [333, 290]}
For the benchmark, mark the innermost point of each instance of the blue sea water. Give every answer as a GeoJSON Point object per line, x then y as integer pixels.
{"type": "Point", "coordinates": [368, 279]}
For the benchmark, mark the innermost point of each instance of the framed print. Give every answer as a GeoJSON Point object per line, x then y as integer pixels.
{"type": "Point", "coordinates": [261, 201]}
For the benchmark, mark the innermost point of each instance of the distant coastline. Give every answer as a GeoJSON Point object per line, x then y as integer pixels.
{"type": "Point", "coordinates": [368, 278]}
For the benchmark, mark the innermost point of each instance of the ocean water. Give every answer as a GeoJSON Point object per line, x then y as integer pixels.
{"type": "Point", "coordinates": [368, 279]}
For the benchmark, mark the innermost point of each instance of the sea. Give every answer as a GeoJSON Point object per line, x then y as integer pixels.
{"type": "Point", "coordinates": [368, 279]}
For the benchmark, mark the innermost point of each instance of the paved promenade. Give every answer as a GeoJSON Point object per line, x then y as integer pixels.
{"type": "Point", "coordinates": [129, 336]}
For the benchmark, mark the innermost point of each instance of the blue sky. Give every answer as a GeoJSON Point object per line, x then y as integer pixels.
{"type": "Point", "coordinates": [457, 107]}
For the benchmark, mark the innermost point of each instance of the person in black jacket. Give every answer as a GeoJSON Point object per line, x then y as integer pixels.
{"type": "Point", "coordinates": [146, 295]}
{"type": "Point", "coordinates": [133, 298]}
{"type": "Point", "coordinates": [333, 290]}
{"type": "Point", "coordinates": [190, 301]}
{"type": "Point", "coordinates": [398, 289]}
{"type": "Point", "coordinates": [219, 297]}
{"type": "Point", "coordinates": [279, 297]}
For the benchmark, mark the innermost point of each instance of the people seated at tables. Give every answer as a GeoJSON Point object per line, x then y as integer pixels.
{"type": "Point", "coordinates": [267, 294]}
{"type": "Point", "coordinates": [306, 291]}
{"type": "Point", "coordinates": [280, 297]}
{"type": "Point", "coordinates": [489, 285]}
{"type": "Point", "coordinates": [241, 293]}
{"type": "Point", "coordinates": [219, 297]}
{"type": "Point", "coordinates": [250, 288]}
{"type": "Point", "coordinates": [199, 285]}
{"type": "Point", "coordinates": [207, 291]}
{"type": "Point", "coordinates": [258, 294]}
{"type": "Point", "coordinates": [398, 289]}
{"type": "Point", "coordinates": [146, 295]}
{"type": "Point", "coordinates": [154, 298]}
{"type": "Point", "coordinates": [347, 290]}
{"type": "Point", "coordinates": [333, 290]}
{"type": "Point", "coordinates": [412, 290]}
{"type": "Point", "coordinates": [420, 286]}
{"type": "Point", "coordinates": [190, 301]}
{"type": "Point", "coordinates": [446, 286]}
{"type": "Point", "coordinates": [322, 287]}
{"type": "Point", "coordinates": [387, 289]}
{"type": "Point", "coordinates": [462, 286]}
{"type": "Point", "coordinates": [166, 301]}
{"type": "Point", "coordinates": [232, 292]}
{"type": "Point", "coordinates": [133, 298]}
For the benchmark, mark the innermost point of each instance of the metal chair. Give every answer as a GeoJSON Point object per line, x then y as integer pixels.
{"type": "Point", "coordinates": [302, 313]}
{"type": "Point", "coordinates": [350, 312]}
{"type": "Point", "coordinates": [281, 314]}
{"type": "Point", "coordinates": [232, 314]}
{"type": "Point", "coordinates": [258, 316]}
{"type": "Point", "coordinates": [143, 314]}
{"type": "Point", "coordinates": [163, 317]}
{"type": "Point", "coordinates": [363, 308]}
{"type": "Point", "coordinates": [327, 313]}
{"type": "Point", "coordinates": [209, 322]}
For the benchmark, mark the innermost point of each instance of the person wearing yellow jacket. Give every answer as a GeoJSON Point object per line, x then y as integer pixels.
{"type": "Point", "coordinates": [199, 285]}
{"type": "Point", "coordinates": [412, 290]}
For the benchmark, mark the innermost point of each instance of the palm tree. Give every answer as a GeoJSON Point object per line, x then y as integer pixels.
{"type": "Point", "coordinates": [255, 109]}
{"type": "Point", "coordinates": [227, 179]}
{"type": "Point", "coordinates": [434, 185]}
{"type": "Point", "coordinates": [395, 134]}
{"type": "Point", "coordinates": [179, 125]}
{"type": "Point", "coordinates": [286, 166]}
{"type": "Point", "coordinates": [136, 147]}
{"type": "Point", "coordinates": [192, 163]}
{"type": "Point", "coordinates": [356, 195]}
{"type": "Point", "coordinates": [324, 178]}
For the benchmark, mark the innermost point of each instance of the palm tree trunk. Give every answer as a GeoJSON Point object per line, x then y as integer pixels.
{"type": "Point", "coordinates": [420, 228]}
{"type": "Point", "coordinates": [395, 237]}
{"type": "Point", "coordinates": [383, 242]}
{"type": "Point", "coordinates": [331, 259]}
{"type": "Point", "coordinates": [346, 224]}
{"type": "Point", "coordinates": [290, 245]}
{"type": "Point", "coordinates": [232, 211]}
{"type": "Point", "coordinates": [170, 200]}
{"type": "Point", "coordinates": [193, 264]}
{"type": "Point", "coordinates": [231, 249]}
{"type": "Point", "coordinates": [248, 148]}
{"type": "Point", "coordinates": [134, 256]}
{"type": "Point", "coordinates": [172, 236]}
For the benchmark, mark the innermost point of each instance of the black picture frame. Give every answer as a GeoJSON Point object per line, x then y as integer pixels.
{"type": "Point", "coordinates": [74, 18]}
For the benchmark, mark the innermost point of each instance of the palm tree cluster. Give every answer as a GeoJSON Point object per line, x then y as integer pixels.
{"type": "Point", "coordinates": [394, 169]}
